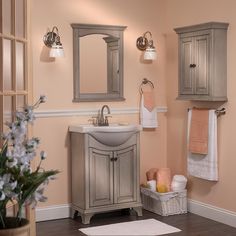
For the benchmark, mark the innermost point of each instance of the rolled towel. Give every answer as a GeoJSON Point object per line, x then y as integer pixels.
{"type": "Point", "coordinates": [151, 174]}
{"type": "Point", "coordinates": [152, 184]}
{"type": "Point", "coordinates": [178, 183]}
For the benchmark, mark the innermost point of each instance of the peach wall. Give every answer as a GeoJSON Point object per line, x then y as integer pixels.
{"type": "Point", "coordinates": [187, 12]}
{"type": "Point", "coordinates": [166, 145]}
{"type": "Point", "coordinates": [54, 78]}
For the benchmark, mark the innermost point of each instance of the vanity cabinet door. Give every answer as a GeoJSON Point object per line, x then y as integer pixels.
{"type": "Point", "coordinates": [100, 177]}
{"type": "Point", "coordinates": [125, 175]}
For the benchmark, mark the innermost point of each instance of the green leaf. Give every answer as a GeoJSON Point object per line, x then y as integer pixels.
{"type": "Point", "coordinates": [34, 181]}
{"type": "Point", "coordinates": [3, 156]}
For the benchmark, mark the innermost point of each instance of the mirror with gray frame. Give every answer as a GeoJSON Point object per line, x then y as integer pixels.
{"type": "Point", "coordinates": [98, 62]}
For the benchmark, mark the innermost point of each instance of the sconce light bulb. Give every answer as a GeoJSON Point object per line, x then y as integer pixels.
{"type": "Point", "coordinates": [150, 54]}
{"type": "Point", "coordinates": [57, 50]}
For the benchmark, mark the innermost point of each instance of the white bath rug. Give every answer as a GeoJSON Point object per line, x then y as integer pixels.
{"type": "Point", "coordinates": [139, 227]}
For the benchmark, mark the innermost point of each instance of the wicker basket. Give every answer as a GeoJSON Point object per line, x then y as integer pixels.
{"type": "Point", "coordinates": [171, 203]}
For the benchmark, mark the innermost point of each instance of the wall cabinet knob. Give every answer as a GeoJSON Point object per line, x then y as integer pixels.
{"type": "Point", "coordinates": [192, 65]}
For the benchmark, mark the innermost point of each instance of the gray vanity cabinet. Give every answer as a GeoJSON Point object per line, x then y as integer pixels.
{"type": "Point", "coordinates": [104, 178]}
{"type": "Point", "coordinates": [203, 62]}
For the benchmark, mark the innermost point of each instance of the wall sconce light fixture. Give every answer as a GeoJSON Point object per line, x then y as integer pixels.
{"type": "Point", "coordinates": [52, 40]}
{"type": "Point", "coordinates": [146, 45]}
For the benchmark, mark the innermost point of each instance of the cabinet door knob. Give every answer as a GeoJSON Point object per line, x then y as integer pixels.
{"type": "Point", "coordinates": [192, 65]}
{"type": "Point", "coordinates": [115, 159]}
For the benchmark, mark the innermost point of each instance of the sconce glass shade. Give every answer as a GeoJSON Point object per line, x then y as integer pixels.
{"type": "Point", "coordinates": [57, 51]}
{"type": "Point", "coordinates": [150, 54]}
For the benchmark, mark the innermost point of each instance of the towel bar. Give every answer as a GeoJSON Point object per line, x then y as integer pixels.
{"type": "Point", "coordinates": [218, 112]}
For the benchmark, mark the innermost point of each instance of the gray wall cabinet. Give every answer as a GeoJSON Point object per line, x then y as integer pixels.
{"type": "Point", "coordinates": [203, 62]}
{"type": "Point", "coordinates": [104, 178]}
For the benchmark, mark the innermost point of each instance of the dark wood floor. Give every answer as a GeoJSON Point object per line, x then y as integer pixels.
{"type": "Point", "coordinates": [190, 224]}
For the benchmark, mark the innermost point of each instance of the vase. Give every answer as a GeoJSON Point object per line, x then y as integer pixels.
{"type": "Point", "coordinates": [23, 230]}
{"type": "Point", "coordinates": [164, 179]}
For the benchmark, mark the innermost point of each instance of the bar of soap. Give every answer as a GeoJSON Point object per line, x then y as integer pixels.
{"type": "Point", "coordinates": [124, 123]}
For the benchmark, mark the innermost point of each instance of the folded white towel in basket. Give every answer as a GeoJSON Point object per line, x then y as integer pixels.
{"type": "Point", "coordinates": [205, 166]}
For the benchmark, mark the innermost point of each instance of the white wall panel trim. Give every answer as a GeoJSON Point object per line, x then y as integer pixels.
{"type": "Point", "coordinates": [90, 112]}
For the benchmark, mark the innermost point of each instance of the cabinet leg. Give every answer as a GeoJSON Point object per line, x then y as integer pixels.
{"type": "Point", "coordinates": [125, 211]}
{"type": "Point", "coordinates": [86, 218]}
{"type": "Point", "coordinates": [138, 210]}
{"type": "Point", "coordinates": [73, 214]}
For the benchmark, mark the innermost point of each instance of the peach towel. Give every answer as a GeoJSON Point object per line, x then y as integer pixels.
{"type": "Point", "coordinates": [198, 142]}
{"type": "Point", "coordinates": [149, 101]}
{"type": "Point", "coordinates": [151, 174]}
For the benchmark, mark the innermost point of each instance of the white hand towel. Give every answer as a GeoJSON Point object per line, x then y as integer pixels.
{"type": "Point", "coordinates": [205, 166]}
{"type": "Point", "coordinates": [148, 118]}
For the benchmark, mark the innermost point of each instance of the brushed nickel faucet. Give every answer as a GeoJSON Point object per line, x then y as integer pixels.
{"type": "Point", "coordinates": [101, 119]}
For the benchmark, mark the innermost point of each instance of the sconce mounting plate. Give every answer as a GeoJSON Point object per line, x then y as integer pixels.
{"type": "Point", "coordinates": [49, 38]}
{"type": "Point", "coordinates": [142, 43]}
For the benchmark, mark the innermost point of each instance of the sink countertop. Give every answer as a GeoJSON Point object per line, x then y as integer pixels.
{"type": "Point", "coordinates": [89, 128]}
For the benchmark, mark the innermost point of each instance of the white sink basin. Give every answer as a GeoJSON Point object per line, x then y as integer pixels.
{"type": "Point", "coordinates": [112, 135]}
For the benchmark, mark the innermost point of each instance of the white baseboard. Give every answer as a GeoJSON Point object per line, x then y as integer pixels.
{"type": "Point", "coordinates": [52, 212]}
{"type": "Point", "coordinates": [196, 207]}
{"type": "Point", "coordinates": [215, 213]}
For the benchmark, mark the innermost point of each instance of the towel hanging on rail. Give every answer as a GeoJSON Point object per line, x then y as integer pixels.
{"type": "Point", "coordinates": [198, 136]}
{"type": "Point", "coordinates": [147, 91]}
{"type": "Point", "coordinates": [148, 114]}
{"type": "Point", "coordinates": [205, 166]}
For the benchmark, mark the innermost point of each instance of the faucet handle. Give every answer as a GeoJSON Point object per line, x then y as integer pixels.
{"type": "Point", "coordinates": [93, 120]}
{"type": "Point", "coordinates": [106, 122]}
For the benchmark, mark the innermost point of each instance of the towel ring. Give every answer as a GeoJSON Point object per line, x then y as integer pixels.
{"type": "Point", "coordinates": [144, 82]}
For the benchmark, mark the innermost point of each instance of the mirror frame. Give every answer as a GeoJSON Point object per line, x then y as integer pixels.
{"type": "Point", "coordinates": [80, 30]}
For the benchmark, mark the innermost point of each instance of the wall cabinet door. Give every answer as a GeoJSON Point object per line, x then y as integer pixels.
{"type": "Point", "coordinates": [186, 83]}
{"type": "Point", "coordinates": [201, 60]}
{"type": "Point", "coordinates": [125, 175]}
{"type": "Point", "coordinates": [100, 177]}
